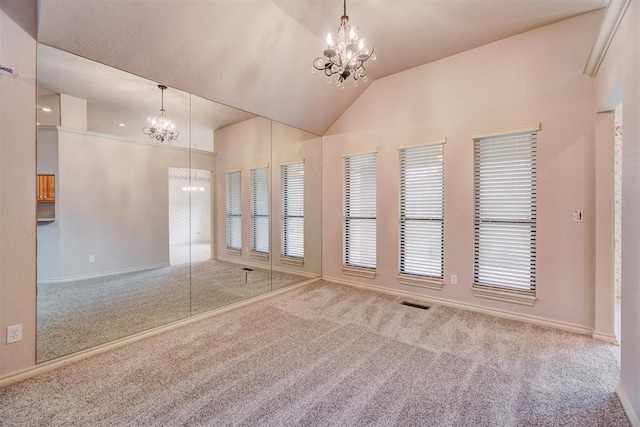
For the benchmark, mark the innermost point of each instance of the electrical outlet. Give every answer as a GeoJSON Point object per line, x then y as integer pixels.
{"type": "Point", "coordinates": [577, 216]}
{"type": "Point", "coordinates": [14, 333]}
{"type": "Point", "coordinates": [454, 279]}
{"type": "Point", "coordinates": [92, 258]}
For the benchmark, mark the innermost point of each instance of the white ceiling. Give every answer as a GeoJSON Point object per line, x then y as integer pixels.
{"type": "Point", "coordinates": [115, 97]}
{"type": "Point", "coordinates": [256, 55]}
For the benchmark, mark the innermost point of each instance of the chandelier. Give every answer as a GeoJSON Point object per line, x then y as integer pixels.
{"type": "Point", "coordinates": [194, 185]}
{"type": "Point", "coordinates": [345, 54]}
{"type": "Point", "coordinates": [160, 127]}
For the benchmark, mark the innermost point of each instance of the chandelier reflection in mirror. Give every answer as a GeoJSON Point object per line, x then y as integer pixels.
{"type": "Point", "coordinates": [345, 55]}
{"type": "Point", "coordinates": [194, 186]}
{"type": "Point", "coordinates": [160, 127]}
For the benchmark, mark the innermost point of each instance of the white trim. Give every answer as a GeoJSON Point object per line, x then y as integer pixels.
{"type": "Point", "coordinates": [293, 162]}
{"type": "Point", "coordinates": [259, 255]}
{"type": "Point", "coordinates": [422, 144]}
{"type": "Point", "coordinates": [605, 337]}
{"type": "Point", "coordinates": [298, 262]}
{"type": "Point", "coordinates": [76, 357]}
{"type": "Point", "coordinates": [367, 273]}
{"type": "Point", "coordinates": [505, 295]}
{"type": "Point", "coordinates": [262, 166]}
{"type": "Point", "coordinates": [421, 282]}
{"type": "Point", "coordinates": [634, 418]}
{"type": "Point", "coordinates": [297, 273]}
{"type": "Point", "coordinates": [536, 127]}
{"type": "Point", "coordinates": [360, 153]}
{"type": "Point", "coordinates": [103, 274]}
{"type": "Point", "coordinates": [535, 320]}
{"type": "Point", "coordinates": [118, 138]}
{"type": "Point", "coordinates": [245, 263]}
{"type": "Point", "coordinates": [234, 251]}
{"type": "Point", "coordinates": [608, 27]}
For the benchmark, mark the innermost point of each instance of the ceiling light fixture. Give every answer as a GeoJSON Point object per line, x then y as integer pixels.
{"type": "Point", "coordinates": [46, 109]}
{"type": "Point", "coordinates": [194, 186]}
{"type": "Point", "coordinates": [160, 127]}
{"type": "Point", "coordinates": [345, 55]}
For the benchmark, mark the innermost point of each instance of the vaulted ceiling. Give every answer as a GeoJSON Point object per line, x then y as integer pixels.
{"type": "Point", "coordinates": [256, 55]}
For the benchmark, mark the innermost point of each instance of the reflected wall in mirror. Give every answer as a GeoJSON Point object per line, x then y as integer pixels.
{"type": "Point", "coordinates": [142, 233]}
{"type": "Point", "coordinates": [104, 261]}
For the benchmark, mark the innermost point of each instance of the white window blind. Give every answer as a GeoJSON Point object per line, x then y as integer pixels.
{"type": "Point", "coordinates": [260, 210]}
{"type": "Point", "coordinates": [360, 188]}
{"type": "Point", "coordinates": [422, 210]}
{"type": "Point", "coordinates": [292, 208]}
{"type": "Point", "coordinates": [505, 212]}
{"type": "Point", "coordinates": [234, 212]}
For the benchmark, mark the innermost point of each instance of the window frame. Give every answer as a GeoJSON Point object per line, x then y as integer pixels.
{"type": "Point", "coordinates": [257, 212]}
{"type": "Point", "coordinates": [231, 213]}
{"type": "Point", "coordinates": [367, 205]}
{"type": "Point", "coordinates": [514, 212]}
{"type": "Point", "coordinates": [291, 172]}
{"type": "Point", "coordinates": [430, 158]}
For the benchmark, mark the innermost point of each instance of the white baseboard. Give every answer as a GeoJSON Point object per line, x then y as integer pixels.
{"type": "Point", "coordinates": [103, 348]}
{"type": "Point", "coordinates": [540, 321]}
{"type": "Point", "coordinates": [634, 417]}
{"type": "Point", "coordinates": [606, 337]}
{"type": "Point", "coordinates": [244, 262]}
{"type": "Point", "coordinates": [268, 267]}
{"type": "Point", "coordinates": [103, 274]}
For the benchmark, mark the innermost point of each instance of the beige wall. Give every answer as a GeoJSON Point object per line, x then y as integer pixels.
{"type": "Point", "coordinates": [259, 142]}
{"type": "Point", "coordinates": [112, 202]}
{"type": "Point", "coordinates": [239, 147]}
{"type": "Point", "coordinates": [622, 63]}
{"type": "Point", "coordinates": [17, 184]}
{"type": "Point", "coordinates": [293, 145]}
{"type": "Point", "coordinates": [535, 77]}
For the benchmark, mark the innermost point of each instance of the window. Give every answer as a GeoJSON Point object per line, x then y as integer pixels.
{"type": "Point", "coordinates": [421, 211]}
{"type": "Point", "coordinates": [260, 210]}
{"type": "Point", "coordinates": [505, 213]}
{"type": "Point", "coordinates": [292, 208]}
{"type": "Point", "coordinates": [360, 188]}
{"type": "Point", "coordinates": [234, 212]}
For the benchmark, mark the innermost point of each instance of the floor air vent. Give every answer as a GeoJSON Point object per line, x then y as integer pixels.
{"type": "Point", "coordinates": [248, 269]}
{"type": "Point", "coordinates": [416, 305]}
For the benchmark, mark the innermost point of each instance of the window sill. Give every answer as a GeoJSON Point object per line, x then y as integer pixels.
{"type": "Point", "coordinates": [421, 282]}
{"type": "Point", "coordinates": [260, 255]}
{"type": "Point", "coordinates": [234, 251]}
{"type": "Point", "coordinates": [504, 295]}
{"type": "Point", "coordinates": [368, 273]}
{"type": "Point", "coordinates": [298, 262]}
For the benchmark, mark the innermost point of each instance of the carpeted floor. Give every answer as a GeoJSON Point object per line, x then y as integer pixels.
{"type": "Point", "coordinates": [73, 316]}
{"type": "Point", "coordinates": [327, 354]}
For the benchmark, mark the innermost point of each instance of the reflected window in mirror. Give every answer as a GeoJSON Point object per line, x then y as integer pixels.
{"type": "Point", "coordinates": [234, 211]}
{"type": "Point", "coordinates": [260, 211]}
{"type": "Point", "coordinates": [292, 208]}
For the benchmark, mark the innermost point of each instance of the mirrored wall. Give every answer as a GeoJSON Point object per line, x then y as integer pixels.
{"type": "Point", "coordinates": [137, 231]}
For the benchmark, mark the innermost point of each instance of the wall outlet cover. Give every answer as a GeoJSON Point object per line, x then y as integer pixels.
{"type": "Point", "coordinates": [454, 279]}
{"type": "Point", "coordinates": [14, 333]}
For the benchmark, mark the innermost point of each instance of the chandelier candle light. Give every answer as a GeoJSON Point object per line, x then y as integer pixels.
{"type": "Point", "coordinates": [160, 127]}
{"type": "Point", "coordinates": [345, 55]}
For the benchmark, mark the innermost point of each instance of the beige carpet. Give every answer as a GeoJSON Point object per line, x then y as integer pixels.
{"type": "Point", "coordinates": [327, 354]}
{"type": "Point", "coordinates": [73, 316]}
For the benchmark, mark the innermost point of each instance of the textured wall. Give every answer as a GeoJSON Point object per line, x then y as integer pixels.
{"type": "Point", "coordinates": [535, 77]}
{"type": "Point", "coordinates": [17, 184]}
{"type": "Point", "coordinates": [622, 63]}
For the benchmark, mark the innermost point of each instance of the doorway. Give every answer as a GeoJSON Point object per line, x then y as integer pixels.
{"type": "Point", "coordinates": [189, 215]}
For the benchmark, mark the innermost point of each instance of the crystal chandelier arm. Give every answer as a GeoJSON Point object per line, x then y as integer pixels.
{"type": "Point", "coordinates": [345, 54]}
